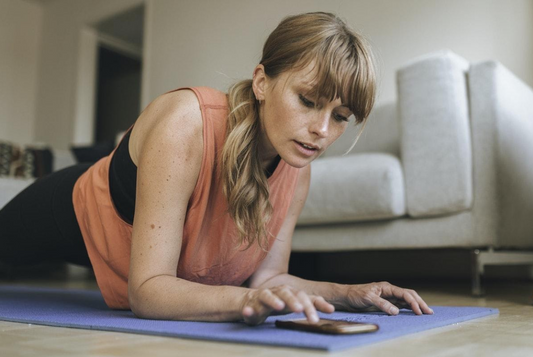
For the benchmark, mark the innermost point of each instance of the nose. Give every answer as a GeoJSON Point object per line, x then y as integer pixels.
{"type": "Point", "coordinates": [320, 124]}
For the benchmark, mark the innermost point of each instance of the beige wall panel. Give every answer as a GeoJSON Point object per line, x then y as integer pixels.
{"type": "Point", "coordinates": [20, 38]}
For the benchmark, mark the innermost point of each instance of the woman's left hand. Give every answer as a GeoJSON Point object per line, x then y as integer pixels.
{"type": "Point", "coordinates": [385, 297]}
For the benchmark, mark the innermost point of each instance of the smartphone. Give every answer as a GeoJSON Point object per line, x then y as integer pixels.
{"type": "Point", "coordinates": [333, 327]}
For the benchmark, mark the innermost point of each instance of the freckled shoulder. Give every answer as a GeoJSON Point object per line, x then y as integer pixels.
{"type": "Point", "coordinates": [178, 111]}
{"type": "Point", "coordinates": [169, 149]}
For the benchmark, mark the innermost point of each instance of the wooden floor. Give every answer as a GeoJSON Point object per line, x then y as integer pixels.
{"type": "Point", "coordinates": [509, 334]}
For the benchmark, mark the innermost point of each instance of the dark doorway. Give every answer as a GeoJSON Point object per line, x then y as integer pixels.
{"type": "Point", "coordinates": [118, 94]}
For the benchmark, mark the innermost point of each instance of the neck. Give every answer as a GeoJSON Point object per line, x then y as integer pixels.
{"type": "Point", "coordinates": [269, 168]}
{"type": "Point", "coordinates": [267, 154]}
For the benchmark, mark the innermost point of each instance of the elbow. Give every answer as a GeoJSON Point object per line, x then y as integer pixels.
{"type": "Point", "coordinates": [134, 305]}
{"type": "Point", "coordinates": [138, 303]}
{"type": "Point", "coordinates": [145, 299]}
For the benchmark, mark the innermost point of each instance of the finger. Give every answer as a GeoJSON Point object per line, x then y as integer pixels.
{"type": "Point", "coordinates": [248, 311]}
{"type": "Point", "coordinates": [403, 294]}
{"type": "Point", "coordinates": [399, 303]}
{"type": "Point", "coordinates": [322, 305]}
{"type": "Point", "coordinates": [292, 302]}
{"type": "Point", "coordinates": [309, 307]}
{"type": "Point", "coordinates": [253, 317]}
{"type": "Point", "coordinates": [415, 302]}
{"type": "Point", "coordinates": [268, 298]}
{"type": "Point", "coordinates": [255, 320]}
{"type": "Point", "coordinates": [385, 306]}
{"type": "Point", "coordinates": [256, 312]}
{"type": "Point", "coordinates": [425, 307]}
{"type": "Point", "coordinates": [410, 299]}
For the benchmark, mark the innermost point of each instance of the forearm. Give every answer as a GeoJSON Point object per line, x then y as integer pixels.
{"type": "Point", "coordinates": [170, 298]}
{"type": "Point", "coordinates": [333, 293]}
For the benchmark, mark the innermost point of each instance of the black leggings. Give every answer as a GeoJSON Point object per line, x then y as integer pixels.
{"type": "Point", "coordinates": [39, 224]}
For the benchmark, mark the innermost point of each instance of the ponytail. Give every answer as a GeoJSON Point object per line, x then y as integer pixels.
{"type": "Point", "coordinates": [244, 182]}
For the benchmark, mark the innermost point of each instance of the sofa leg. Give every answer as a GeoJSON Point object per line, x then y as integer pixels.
{"type": "Point", "coordinates": [477, 274]}
{"type": "Point", "coordinates": [480, 258]}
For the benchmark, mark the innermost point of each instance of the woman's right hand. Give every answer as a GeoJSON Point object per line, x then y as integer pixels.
{"type": "Point", "coordinates": [258, 304]}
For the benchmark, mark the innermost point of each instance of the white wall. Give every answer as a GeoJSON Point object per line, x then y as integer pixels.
{"type": "Point", "coordinates": [194, 42]}
{"type": "Point", "coordinates": [63, 22]}
{"type": "Point", "coordinates": [20, 29]}
{"type": "Point", "coordinates": [214, 42]}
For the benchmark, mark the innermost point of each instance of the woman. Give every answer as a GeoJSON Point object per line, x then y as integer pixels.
{"type": "Point", "coordinates": [191, 217]}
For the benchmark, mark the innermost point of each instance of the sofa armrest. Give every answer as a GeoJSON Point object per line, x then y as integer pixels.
{"type": "Point", "coordinates": [435, 142]}
{"type": "Point", "coordinates": [502, 118]}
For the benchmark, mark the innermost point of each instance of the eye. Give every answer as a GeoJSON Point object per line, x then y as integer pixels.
{"type": "Point", "coordinates": [340, 118]}
{"type": "Point", "coordinates": [306, 102]}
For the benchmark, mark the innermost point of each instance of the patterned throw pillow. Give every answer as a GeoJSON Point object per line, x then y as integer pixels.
{"type": "Point", "coordinates": [24, 162]}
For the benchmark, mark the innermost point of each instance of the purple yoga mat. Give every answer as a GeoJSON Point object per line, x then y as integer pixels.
{"type": "Point", "coordinates": [87, 310]}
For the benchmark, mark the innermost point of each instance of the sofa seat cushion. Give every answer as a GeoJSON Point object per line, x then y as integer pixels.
{"type": "Point", "coordinates": [359, 187]}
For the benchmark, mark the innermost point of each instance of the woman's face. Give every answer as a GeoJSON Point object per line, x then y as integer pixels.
{"type": "Point", "coordinates": [292, 127]}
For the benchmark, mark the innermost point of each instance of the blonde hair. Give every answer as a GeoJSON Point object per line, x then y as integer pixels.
{"type": "Point", "coordinates": [344, 69]}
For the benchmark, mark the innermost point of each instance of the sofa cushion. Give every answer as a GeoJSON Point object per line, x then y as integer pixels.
{"type": "Point", "coordinates": [436, 149]}
{"type": "Point", "coordinates": [359, 187]}
{"type": "Point", "coordinates": [24, 161]}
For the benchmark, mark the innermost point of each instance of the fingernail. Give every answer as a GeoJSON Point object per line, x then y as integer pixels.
{"type": "Point", "coordinates": [430, 309]}
{"type": "Point", "coordinates": [394, 310]}
{"type": "Point", "coordinates": [298, 306]}
{"type": "Point", "coordinates": [314, 318]}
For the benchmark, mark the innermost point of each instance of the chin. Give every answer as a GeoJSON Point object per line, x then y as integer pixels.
{"type": "Point", "coordinates": [298, 162]}
{"type": "Point", "coordinates": [295, 159]}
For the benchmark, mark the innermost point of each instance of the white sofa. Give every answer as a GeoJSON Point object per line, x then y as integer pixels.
{"type": "Point", "coordinates": [449, 165]}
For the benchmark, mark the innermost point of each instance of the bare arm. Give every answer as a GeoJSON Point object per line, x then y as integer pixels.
{"type": "Point", "coordinates": [168, 149]}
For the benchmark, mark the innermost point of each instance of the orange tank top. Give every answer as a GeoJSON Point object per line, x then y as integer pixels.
{"type": "Point", "coordinates": [208, 254]}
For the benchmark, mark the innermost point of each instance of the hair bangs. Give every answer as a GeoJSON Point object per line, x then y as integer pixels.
{"type": "Point", "coordinates": [343, 69]}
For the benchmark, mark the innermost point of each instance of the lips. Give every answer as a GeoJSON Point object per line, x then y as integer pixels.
{"type": "Point", "coordinates": [308, 145]}
{"type": "Point", "coordinates": [305, 149]}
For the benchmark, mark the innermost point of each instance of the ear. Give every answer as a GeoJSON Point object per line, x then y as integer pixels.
{"type": "Point", "coordinates": [259, 82]}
